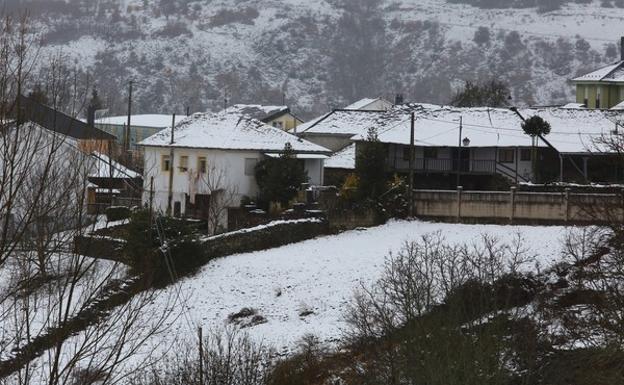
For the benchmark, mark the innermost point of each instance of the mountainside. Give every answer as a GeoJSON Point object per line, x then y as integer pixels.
{"type": "Point", "coordinates": [325, 53]}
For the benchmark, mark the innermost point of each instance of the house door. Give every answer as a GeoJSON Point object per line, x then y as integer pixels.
{"type": "Point", "coordinates": [199, 209]}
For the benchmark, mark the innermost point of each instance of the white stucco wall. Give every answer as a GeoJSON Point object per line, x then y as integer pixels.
{"type": "Point", "coordinates": [315, 170]}
{"type": "Point", "coordinates": [228, 167]}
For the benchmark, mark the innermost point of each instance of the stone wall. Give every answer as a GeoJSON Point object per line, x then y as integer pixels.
{"type": "Point", "coordinates": [101, 247]}
{"type": "Point", "coordinates": [519, 207]}
{"type": "Point", "coordinates": [189, 254]}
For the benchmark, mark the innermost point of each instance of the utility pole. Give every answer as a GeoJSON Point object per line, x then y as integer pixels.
{"type": "Point", "coordinates": [171, 168]}
{"type": "Point", "coordinates": [127, 131]}
{"type": "Point", "coordinates": [410, 193]}
{"type": "Point", "coordinates": [459, 150]}
{"type": "Point", "coordinates": [201, 356]}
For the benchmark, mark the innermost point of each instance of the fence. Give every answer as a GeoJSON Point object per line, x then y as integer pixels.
{"type": "Point", "coordinates": [519, 207]}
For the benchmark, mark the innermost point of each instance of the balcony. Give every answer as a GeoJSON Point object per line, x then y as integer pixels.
{"type": "Point", "coordinates": [442, 165]}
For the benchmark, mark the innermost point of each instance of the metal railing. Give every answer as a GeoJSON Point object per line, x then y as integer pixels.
{"type": "Point", "coordinates": [475, 166]}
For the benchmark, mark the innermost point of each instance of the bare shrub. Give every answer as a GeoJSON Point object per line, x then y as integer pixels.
{"type": "Point", "coordinates": [229, 358]}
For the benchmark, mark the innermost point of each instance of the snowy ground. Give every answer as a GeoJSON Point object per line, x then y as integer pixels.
{"type": "Point", "coordinates": [319, 275]}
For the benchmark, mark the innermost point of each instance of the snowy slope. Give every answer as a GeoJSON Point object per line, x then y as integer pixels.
{"type": "Point", "coordinates": [319, 275]}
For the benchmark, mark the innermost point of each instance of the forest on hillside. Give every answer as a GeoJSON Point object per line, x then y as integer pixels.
{"type": "Point", "coordinates": [201, 55]}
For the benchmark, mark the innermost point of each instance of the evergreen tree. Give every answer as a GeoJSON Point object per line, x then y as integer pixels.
{"type": "Point", "coordinates": [370, 160]}
{"type": "Point", "coordinates": [279, 178]}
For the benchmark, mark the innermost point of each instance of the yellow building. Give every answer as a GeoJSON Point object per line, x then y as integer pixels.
{"type": "Point", "coordinates": [603, 88]}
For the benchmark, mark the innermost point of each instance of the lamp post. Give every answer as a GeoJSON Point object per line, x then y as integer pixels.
{"type": "Point", "coordinates": [459, 147]}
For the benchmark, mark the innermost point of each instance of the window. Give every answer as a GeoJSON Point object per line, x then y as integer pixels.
{"type": "Point", "coordinates": [278, 124]}
{"type": "Point", "coordinates": [165, 163]}
{"type": "Point", "coordinates": [525, 154]}
{"type": "Point", "coordinates": [250, 166]}
{"type": "Point", "coordinates": [506, 155]}
{"type": "Point", "coordinates": [621, 94]}
{"type": "Point", "coordinates": [183, 163]}
{"type": "Point", "coordinates": [201, 164]}
{"type": "Point", "coordinates": [598, 94]}
{"type": "Point", "coordinates": [431, 153]}
{"type": "Point", "coordinates": [586, 96]}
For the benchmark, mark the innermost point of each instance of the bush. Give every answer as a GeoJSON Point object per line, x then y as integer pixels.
{"type": "Point", "coordinates": [117, 213]}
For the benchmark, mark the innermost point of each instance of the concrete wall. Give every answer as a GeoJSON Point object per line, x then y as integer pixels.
{"type": "Point", "coordinates": [520, 207]}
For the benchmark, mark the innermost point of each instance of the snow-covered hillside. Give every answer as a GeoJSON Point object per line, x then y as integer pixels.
{"type": "Point", "coordinates": [319, 277]}
{"type": "Point", "coordinates": [326, 53]}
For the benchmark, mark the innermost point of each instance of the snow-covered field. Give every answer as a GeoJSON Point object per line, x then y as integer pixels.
{"type": "Point", "coordinates": [319, 275]}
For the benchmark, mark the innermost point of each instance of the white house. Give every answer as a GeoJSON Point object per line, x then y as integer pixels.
{"type": "Point", "coordinates": [214, 156]}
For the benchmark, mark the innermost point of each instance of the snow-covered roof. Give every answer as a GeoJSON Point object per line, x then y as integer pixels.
{"type": "Point", "coordinates": [258, 111]}
{"type": "Point", "coordinates": [572, 130]}
{"type": "Point", "coordinates": [344, 159]}
{"type": "Point", "coordinates": [619, 106]}
{"type": "Point", "coordinates": [146, 120]}
{"type": "Point", "coordinates": [348, 122]}
{"type": "Point", "coordinates": [230, 131]}
{"type": "Point", "coordinates": [574, 105]}
{"type": "Point", "coordinates": [105, 167]}
{"type": "Point", "coordinates": [611, 73]}
{"type": "Point", "coordinates": [370, 103]}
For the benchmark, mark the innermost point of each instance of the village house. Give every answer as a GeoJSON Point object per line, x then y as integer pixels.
{"type": "Point", "coordinates": [141, 126]}
{"type": "Point", "coordinates": [604, 87]}
{"type": "Point", "coordinates": [472, 145]}
{"type": "Point", "coordinates": [277, 116]}
{"type": "Point", "coordinates": [87, 137]}
{"type": "Point", "coordinates": [211, 157]}
{"type": "Point", "coordinates": [489, 146]}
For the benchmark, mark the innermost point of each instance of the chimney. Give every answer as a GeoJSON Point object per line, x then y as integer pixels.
{"type": "Point", "coordinates": [622, 48]}
{"type": "Point", "coordinates": [398, 98]}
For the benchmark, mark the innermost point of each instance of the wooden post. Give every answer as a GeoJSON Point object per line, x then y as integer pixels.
{"type": "Point", "coordinates": [459, 150]}
{"type": "Point", "coordinates": [410, 193]}
{"type": "Point", "coordinates": [459, 202]}
{"type": "Point", "coordinates": [512, 204]}
{"type": "Point", "coordinates": [201, 356]}
{"type": "Point", "coordinates": [517, 160]}
{"type": "Point", "coordinates": [621, 205]}
{"type": "Point", "coordinates": [171, 168]}
{"type": "Point", "coordinates": [567, 204]}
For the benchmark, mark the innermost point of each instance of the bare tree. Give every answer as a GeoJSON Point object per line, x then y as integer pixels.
{"type": "Point", "coordinates": [223, 195]}
{"type": "Point", "coordinates": [65, 318]}
{"type": "Point", "coordinates": [422, 321]}
{"type": "Point", "coordinates": [229, 358]}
